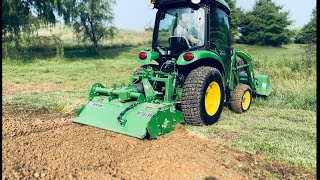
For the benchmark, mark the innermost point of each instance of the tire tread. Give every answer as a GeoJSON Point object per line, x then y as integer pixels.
{"type": "Point", "coordinates": [192, 94]}
{"type": "Point", "coordinates": [236, 99]}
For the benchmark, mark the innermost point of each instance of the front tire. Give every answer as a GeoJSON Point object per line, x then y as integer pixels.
{"type": "Point", "coordinates": [241, 98]}
{"type": "Point", "coordinates": [203, 96]}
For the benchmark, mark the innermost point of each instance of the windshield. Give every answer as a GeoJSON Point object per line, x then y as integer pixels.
{"type": "Point", "coordinates": [181, 29]}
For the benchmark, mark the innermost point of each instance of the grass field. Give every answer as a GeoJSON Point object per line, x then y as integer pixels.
{"type": "Point", "coordinates": [282, 127]}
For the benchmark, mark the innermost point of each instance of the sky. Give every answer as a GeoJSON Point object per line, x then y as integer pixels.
{"type": "Point", "coordinates": [136, 14]}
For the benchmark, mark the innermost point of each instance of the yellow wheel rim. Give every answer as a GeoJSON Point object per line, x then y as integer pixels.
{"type": "Point", "coordinates": [212, 98]}
{"type": "Point", "coordinates": [246, 100]}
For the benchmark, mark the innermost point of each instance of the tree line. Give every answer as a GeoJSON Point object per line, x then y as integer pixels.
{"type": "Point", "coordinates": [91, 19]}
{"type": "Point", "coordinates": [266, 24]}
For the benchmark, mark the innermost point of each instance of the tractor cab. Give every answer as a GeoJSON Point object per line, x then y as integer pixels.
{"type": "Point", "coordinates": [184, 25]}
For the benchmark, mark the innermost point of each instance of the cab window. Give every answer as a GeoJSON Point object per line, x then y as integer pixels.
{"type": "Point", "coordinates": [219, 29]}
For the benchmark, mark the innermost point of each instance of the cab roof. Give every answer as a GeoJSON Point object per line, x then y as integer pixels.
{"type": "Point", "coordinates": [168, 3]}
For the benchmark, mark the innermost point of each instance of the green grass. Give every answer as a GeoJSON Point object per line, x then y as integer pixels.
{"type": "Point", "coordinates": [293, 75]}
{"type": "Point", "coordinates": [112, 66]}
{"type": "Point", "coordinates": [283, 126]}
{"type": "Point", "coordinates": [282, 134]}
{"type": "Point", "coordinates": [60, 101]}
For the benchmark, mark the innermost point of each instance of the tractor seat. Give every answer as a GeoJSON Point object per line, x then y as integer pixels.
{"type": "Point", "coordinates": [178, 44]}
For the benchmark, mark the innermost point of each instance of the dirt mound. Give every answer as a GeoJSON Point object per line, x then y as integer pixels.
{"type": "Point", "coordinates": [40, 144]}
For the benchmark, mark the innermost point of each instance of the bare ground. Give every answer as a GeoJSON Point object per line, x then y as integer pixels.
{"type": "Point", "coordinates": [14, 89]}
{"type": "Point", "coordinates": [37, 143]}
{"type": "Point", "coordinates": [40, 144]}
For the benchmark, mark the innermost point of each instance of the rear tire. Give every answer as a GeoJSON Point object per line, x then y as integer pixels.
{"type": "Point", "coordinates": [203, 96]}
{"type": "Point", "coordinates": [241, 98]}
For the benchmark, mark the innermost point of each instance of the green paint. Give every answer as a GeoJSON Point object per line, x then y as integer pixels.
{"type": "Point", "coordinates": [200, 54]}
{"type": "Point", "coordinates": [263, 85]}
{"type": "Point", "coordinates": [224, 3]}
{"type": "Point", "coordinates": [148, 89]}
{"type": "Point", "coordinates": [126, 111]}
{"type": "Point", "coordinates": [158, 119]}
{"type": "Point", "coordinates": [151, 55]}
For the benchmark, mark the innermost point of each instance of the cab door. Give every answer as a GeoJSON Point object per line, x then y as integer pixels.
{"type": "Point", "coordinates": [220, 34]}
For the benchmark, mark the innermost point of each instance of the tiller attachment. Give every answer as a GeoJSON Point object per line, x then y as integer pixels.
{"type": "Point", "coordinates": [125, 110]}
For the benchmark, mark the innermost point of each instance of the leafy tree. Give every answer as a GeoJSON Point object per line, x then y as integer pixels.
{"type": "Point", "coordinates": [308, 33]}
{"type": "Point", "coordinates": [91, 19]}
{"type": "Point", "coordinates": [25, 16]}
{"type": "Point", "coordinates": [295, 32]}
{"type": "Point", "coordinates": [16, 17]}
{"type": "Point", "coordinates": [45, 10]}
{"type": "Point", "coordinates": [266, 24]}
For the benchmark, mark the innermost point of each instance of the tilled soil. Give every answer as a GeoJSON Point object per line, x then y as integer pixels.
{"type": "Point", "coordinates": [44, 145]}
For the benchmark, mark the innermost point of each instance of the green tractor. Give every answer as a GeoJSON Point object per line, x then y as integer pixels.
{"type": "Point", "coordinates": [189, 75]}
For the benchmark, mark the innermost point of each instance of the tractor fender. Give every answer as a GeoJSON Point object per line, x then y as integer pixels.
{"type": "Point", "coordinates": [200, 55]}
{"type": "Point", "coordinates": [151, 55]}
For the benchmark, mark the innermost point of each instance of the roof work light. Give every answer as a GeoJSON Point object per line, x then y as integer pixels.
{"type": "Point", "coordinates": [195, 1]}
